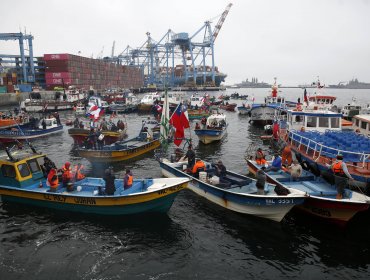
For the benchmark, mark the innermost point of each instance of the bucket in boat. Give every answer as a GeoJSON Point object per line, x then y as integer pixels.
{"type": "Point", "coordinates": [184, 167]}
{"type": "Point", "coordinates": [215, 180]}
{"type": "Point", "coordinates": [203, 176]}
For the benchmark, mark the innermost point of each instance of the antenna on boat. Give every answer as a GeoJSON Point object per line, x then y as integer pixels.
{"type": "Point", "coordinates": [8, 152]}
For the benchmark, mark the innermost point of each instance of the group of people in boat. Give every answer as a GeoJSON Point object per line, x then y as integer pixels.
{"type": "Point", "coordinates": [196, 165]}
{"type": "Point", "coordinates": [65, 174]}
{"type": "Point", "coordinates": [286, 163]}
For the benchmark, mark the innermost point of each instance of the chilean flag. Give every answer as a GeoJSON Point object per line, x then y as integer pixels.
{"type": "Point", "coordinates": [180, 121]}
{"type": "Point", "coordinates": [95, 112]}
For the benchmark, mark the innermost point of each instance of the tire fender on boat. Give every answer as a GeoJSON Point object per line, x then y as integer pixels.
{"type": "Point", "coordinates": [305, 165]}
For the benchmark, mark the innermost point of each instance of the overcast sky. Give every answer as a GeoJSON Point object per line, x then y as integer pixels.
{"type": "Point", "coordinates": [293, 40]}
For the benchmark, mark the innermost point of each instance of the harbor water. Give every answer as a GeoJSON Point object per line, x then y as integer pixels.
{"type": "Point", "coordinates": [195, 239]}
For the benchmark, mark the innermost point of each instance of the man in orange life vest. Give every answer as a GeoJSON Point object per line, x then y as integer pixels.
{"type": "Point", "coordinates": [67, 175]}
{"type": "Point", "coordinates": [128, 180]}
{"type": "Point", "coordinates": [286, 156]}
{"type": "Point", "coordinates": [260, 157]}
{"type": "Point", "coordinates": [53, 180]}
{"type": "Point", "coordinates": [198, 166]}
{"type": "Point", "coordinates": [341, 175]}
{"type": "Point", "coordinates": [78, 174]}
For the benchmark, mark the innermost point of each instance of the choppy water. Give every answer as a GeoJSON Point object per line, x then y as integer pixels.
{"type": "Point", "coordinates": [195, 240]}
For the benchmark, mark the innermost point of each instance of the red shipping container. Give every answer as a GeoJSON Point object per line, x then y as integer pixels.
{"type": "Point", "coordinates": [58, 81]}
{"type": "Point", "coordinates": [61, 56]}
{"type": "Point", "coordinates": [54, 75]}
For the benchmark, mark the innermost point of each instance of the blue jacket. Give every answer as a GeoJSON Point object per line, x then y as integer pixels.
{"type": "Point", "coordinates": [276, 162]}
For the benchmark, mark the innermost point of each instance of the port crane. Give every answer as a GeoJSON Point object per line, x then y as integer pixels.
{"type": "Point", "coordinates": [157, 58]}
{"type": "Point", "coordinates": [27, 71]}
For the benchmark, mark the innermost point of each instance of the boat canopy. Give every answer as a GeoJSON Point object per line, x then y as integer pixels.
{"type": "Point", "coordinates": [314, 120]}
{"type": "Point", "coordinates": [216, 120]}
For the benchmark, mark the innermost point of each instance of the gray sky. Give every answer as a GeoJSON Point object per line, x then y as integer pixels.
{"type": "Point", "coordinates": [293, 40]}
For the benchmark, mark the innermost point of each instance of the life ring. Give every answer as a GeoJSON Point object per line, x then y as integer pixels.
{"type": "Point", "coordinates": [69, 98]}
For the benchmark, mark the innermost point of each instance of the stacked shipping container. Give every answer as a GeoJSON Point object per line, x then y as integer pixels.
{"type": "Point", "coordinates": [84, 72]}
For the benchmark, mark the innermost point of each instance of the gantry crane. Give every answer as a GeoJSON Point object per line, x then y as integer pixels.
{"type": "Point", "coordinates": [157, 58]}
{"type": "Point", "coordinates": [28, 76]}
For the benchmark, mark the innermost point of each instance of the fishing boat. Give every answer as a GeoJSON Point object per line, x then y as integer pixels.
{"type": "Point", "coordinates": [236, 192]}
{"type": "Point", "coordinates": [228, 106]}
{"type": "Point", "coordinates": [245, 109]}
{"type": "Point", "coordinates": [22, 181]}
{"type": "Point", "coordinates": [317, 137]}
{"type": "Point", "coordinates": [112, 132]}
{"type": "Point", "coordinates": [31, 130]}
{"type": "Point", "coordinates": [265, 113]}
{"type": "Point", "coordinates": [129, 105]}
{"type": "Point", "coordinates": [351, 110]}
{"type": "Point", "coordinates": [198, 113]}
{"type": "Point", "coordinates": [147, 102]}
{"type": "Point", "coordinates": [322, 201]}
{"type": "Point", "coordinates": [122, 150]}
{"type": "Point", "coordinates": [9, 120]}
{"type": "Point", "coordinates": [361, 124]}
{"type": "Point", "coordinates": [214, 129]}
{"type": "Point", "coordinates": [63, 101]}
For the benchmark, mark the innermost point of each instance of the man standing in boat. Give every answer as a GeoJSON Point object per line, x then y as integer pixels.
{"type": "Point", "coordinates": [128, 180]}
{"type": "Point", "coordinates": [341, 175]}
{"type": "Point", "coordinates": [190, 155]}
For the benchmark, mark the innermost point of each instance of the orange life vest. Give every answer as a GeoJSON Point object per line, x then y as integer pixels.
{"type": "Point", "coordinates": [78, 174]}
{"type": "Point", "coordinates": [67, 175]}
{"type": "Point", "coordinates": [53, 183]}
{"type": "Point", "coordinates": [198, 164]}
{"type": "Point", "coordinates": [260, 158]}
{"type": "Point", "coordinates": [130, 179]}
{"type": "Point", "coordinates": [337, 168]}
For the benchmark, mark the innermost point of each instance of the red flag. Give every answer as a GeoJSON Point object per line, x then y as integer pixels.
{"type": "Point", "coordinates": [305, 96]}
{"type": "Point", "coordinates": [180, 121]}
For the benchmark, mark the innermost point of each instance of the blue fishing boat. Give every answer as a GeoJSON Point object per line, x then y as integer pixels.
{"type": "Point", "coordinates": [322, 201]}
{"type": "Point", "coordinates": [22, 181]}
{"type": "Point", "coordinates": [45, 127]}
{"type": "Point", "coordinates": [213, 130]}
{"type": "Point", "coordinates": [236, 192]}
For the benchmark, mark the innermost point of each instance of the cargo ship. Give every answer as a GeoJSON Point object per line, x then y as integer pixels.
{"type": "Point", "coordinates": [203, 76]}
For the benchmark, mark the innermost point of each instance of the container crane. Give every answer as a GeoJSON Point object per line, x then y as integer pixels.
{"type": "Point", "coordinates": [157, 58]}
{"type": "Point", "coordinates": [27, 76]}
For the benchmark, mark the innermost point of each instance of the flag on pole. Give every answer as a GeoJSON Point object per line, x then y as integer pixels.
{"type": "Point", "coordinates": [164, 128]}
{"type": "Point", "coordinates": [95, 112]}
{"type": "Point", "coordinates": [305, 98]}
{"type": "Point", "coordinates": [180, 121]}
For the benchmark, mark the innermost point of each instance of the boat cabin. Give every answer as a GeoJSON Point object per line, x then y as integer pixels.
{"type": "Point", "coordinates": [313, 120]}
{"type": "Point", "coordinates": [361, 124]}
{"type": "Point", "coordinates": [21, 169]}
{"type": "Point", "coordinates": [150, 98]}
{"type": "Point", "coordinates": [216, 121]}
{"type": "Point", "coordinates": [196, 101]}
{"type": "Point", "coordinates": [321, 102]}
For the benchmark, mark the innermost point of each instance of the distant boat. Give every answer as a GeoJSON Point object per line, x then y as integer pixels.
{"type": "Point", "coordinates": [213, 130]}
{"type": "Point", "coordinates": [63, 101]}
{"type": "Point", "coordinates": [30, 130]}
